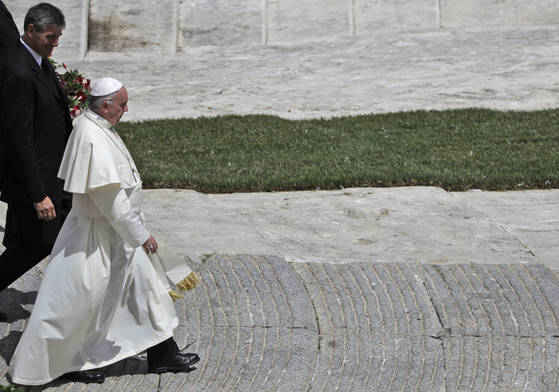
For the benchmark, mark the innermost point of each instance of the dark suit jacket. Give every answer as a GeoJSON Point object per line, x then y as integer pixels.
{"type": "Point", "coordinates": [8, 36]}
{"type": "Point", "coordinates": [36, 124]}
{"type": "Point", "coordinates": [8, 29]}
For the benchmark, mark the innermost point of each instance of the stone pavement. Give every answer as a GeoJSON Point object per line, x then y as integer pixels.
{"type": "Point", "coordinates": [385, 289]}
{"type": "Point", "coordinates": [510, 68]}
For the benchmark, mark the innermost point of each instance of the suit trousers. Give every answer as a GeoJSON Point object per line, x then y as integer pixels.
{"type": "Point", "coordinates": [28, 240]}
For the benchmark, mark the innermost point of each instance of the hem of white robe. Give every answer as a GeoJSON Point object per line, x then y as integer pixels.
{"type": "Point", "coordinates": [105, 363]}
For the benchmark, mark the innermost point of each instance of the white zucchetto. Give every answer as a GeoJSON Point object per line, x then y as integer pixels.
{"type": "Point", "coordinates": [105, 86]}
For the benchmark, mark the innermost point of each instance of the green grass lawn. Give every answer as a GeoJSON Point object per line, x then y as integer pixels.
{"type": "Point", "coordinates": [454, 149]}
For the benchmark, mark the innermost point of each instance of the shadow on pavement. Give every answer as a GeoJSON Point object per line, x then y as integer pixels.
{"type": "Point", "coordinates": [8, 345]}
{"type": "Point", "coordinates": [11, 301]}
{"type": "Point", "coordinates": [130, 366]}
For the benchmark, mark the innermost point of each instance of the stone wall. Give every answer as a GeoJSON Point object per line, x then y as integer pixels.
{"type": "Point", "coordinates": [120, 26]}
{"type": "Point", "coordinates": [169, 26]}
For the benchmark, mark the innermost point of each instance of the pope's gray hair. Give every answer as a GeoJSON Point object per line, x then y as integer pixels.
{"type": "Point", "coordinates": [42, 15]}
{"type": "Point", "coordinates": [95, 102]}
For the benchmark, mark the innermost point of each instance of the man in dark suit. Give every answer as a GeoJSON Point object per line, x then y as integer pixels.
{"type": "Point", "coordinates": [35, 124]}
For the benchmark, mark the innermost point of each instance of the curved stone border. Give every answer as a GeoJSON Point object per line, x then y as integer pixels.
{"type": "Point", "coordinates": [253, 325]}
{"type": "Point", "coordinates": [262, 324]}
{"type": "Point", "coordinates": [501, 326]}
{"type": "Point", "coordinates": [378, 330]}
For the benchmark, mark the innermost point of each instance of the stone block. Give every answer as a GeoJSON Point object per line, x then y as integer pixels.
{"type": "Point", "coordinates": [538, 11]}
{"type": "Point", "coordinates": [219, 22]}
{"type": "Point", "coordinates": [372, 16]}
{"type": "Point", "coordinates": [458, 13]}
{"type": "Point", "coordinates": [293, 21]}
{"type": "Point", "coordinates": [132, 26]}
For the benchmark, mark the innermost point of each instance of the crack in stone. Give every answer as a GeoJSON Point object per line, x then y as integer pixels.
{"type": "Point", "coordinates": [319, 333]}
{"type": "Point", "coordinates": [159, 383]}
{"type": "Point", "coordinates": [259, 326]}
{"type": "Point", "coordinates": [445, 331]}
{"type": "Point", "coordinates": [502, 227]}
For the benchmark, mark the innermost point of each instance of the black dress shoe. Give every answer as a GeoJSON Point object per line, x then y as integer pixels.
{"type": "Point", "coordinates": [3, 317]}
{"type": "Point", "coordinates": [176, 364]}
{"type": "Point", "coordinates": [85, 376]}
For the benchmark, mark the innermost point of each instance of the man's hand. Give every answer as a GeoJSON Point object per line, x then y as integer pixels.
{"type": "Point", "coordinates": [45, 209]}
{"type": "Point", "coordinates": [150, 245]}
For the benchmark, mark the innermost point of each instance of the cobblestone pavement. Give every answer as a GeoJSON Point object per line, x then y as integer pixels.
{"type": "Point", "coordinates": [262, 324]}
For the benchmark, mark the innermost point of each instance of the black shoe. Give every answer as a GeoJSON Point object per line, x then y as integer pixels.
{"type": "Point", "coordinates": [85, 376]}
{"type": "Point", "coordinates": [176, 364]}
{"type": "Point", "coordinates": [3, 317]}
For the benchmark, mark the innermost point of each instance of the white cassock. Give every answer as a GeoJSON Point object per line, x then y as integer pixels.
{"type": "Point", "coordinates": [101, 300]}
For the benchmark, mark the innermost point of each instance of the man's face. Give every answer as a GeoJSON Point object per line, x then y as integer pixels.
{"type": "Point", "coordinates": [114, 109]}
{"type": "Point", "coordinates": [42, 42]}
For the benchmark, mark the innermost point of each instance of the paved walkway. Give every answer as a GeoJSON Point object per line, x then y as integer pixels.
{"type": "Point", "coordinates": [502, 68]}
{"type": "Point", "coordinates": [385, 289]}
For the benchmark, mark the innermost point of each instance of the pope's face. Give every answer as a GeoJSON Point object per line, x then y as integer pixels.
{"type": "Point", "coordinates": [114, 109]}
{"type": "Point", "coordinates": [42, 42]}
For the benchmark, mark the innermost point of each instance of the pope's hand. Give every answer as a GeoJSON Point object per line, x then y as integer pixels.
{"type": "Point", "coordinates": [45, 209]}
{"type": "Point", "coordinates": [150, 245]}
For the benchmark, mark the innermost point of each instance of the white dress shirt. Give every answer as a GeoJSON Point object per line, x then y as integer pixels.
{"type": "Point", "coordinates": [35, 55]}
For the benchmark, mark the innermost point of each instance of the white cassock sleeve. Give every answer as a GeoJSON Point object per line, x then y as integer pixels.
{"type": "Point", "coordinates": [114, 205]}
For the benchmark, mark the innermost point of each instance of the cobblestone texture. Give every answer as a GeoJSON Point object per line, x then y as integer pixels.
{"type": "Point", "coordinates": [262, 324]}
{"type": "Point", "coordinates": [252, 324]}
{"type": "Point", "coordinates": [377, 328]}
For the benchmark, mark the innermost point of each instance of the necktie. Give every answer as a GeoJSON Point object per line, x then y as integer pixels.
{"type": "Point", "coordinates": [45, 66]}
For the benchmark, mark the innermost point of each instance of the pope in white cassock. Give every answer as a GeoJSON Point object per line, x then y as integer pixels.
{"type": "Point", "coordinates": [101, 299]}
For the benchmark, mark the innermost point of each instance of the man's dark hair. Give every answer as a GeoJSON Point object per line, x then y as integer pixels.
{"type": "Point", "coordinates": [42, 15]}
